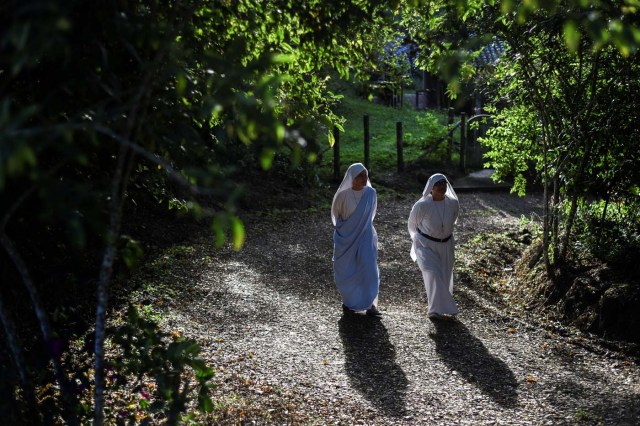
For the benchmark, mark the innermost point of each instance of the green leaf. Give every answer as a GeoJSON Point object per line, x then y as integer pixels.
{"type": "Point", "coordinates": [181, 85]}
{"type": "Point", "coordinates": [203, 372]}
{"type": "Point", "coordinates": [237, 233]}
{"type": "Point", "coordinates": [204, 401]}
{"type": "Point", "coordinates": [282, 58]}
{"type": "Point", "coordinates": [63, 24]}
{"type": "Point", "coordinates": [507, 6]}
{"type": "Point", "coordinates": [571, 35]}
{"type": "Point", "coordinates": [177, 350]}
{"type": "Point", "coordinates": [218, 231]}
{"type": "Point", "coordinates": [326, 120]}
{"type": "Point", "coordinates": [280, 131]}
{"type": "Point", "coordinates": [636, 34]}
{"type": "Point", "coordinates": [266, 158]}
{"type": "Point", "coordinates": [132, 315]}
{"type": "Point", "coordinates": [132, 252]}
{"type": "Point", "coordinates": [21, 157]}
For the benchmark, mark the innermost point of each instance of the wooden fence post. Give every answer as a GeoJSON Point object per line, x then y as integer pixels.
{"type": "Point", "coordinates": [336, 154]}
{"type": "Point", "coordinates": [366, 142]}
{"type": "Point", "coordinates": [463, 139]}
{"type": "Point", "coordinates": [474, 156]}
{"type": "Point", "coordinates": [450, 144]}
{"type": "Point", "coordinates": [399, 146]}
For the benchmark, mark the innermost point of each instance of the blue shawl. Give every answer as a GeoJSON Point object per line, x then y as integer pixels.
{"type": "Point", "coordinates": [355, 254]}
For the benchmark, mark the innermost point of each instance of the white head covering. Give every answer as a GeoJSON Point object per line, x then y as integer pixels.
{"type": "Point", "coordinates": [432, 181]}
{"type": "Point", "coordinates": [347, 182]}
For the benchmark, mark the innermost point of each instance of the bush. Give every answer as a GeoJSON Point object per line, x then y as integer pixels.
{"type": "Point", "coordinates": [167, 372]}
{"type": "Point", "coordinates": [610, 231]}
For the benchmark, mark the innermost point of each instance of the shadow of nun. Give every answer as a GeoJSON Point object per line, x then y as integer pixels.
{"type": "Point", "coordinates": [370, 364]}
{"type": "Point", "coordinates": [464, 353]}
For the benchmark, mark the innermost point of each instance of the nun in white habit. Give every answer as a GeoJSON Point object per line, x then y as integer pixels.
{"type": "Point", "coordinates": [431, 228]}
{"type": "Point", "coordinates": [355, 242]}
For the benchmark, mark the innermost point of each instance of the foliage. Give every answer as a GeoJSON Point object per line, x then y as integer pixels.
{"type": "Point", "coordinates": [512, 145]}
{"type": "Point", "coordinates": [558, 102]}
{"type": "Point", "coordinates": [393, 67]}
{"type": "Point", "coordinates": [146, 353]}
{"type": "Point", "coordinates": [456, 31]}
{"type": "Point", "coordinates": [111, 108]}
{"type": "Point", "coordinates": [432, 127]}
{"type": "Point", "coordinates": [577, 148]}
{"type": "Point", "coordinates": [610, 230]}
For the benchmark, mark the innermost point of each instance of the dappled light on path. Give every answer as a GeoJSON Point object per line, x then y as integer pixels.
{"type": "Point", "coordinates": [270, 321]}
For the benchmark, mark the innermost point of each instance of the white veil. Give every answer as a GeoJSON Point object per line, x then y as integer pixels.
{"type": "Point", "coordinates": [347, 182]}
{"type": "Point", "coordinates": [426, 193]}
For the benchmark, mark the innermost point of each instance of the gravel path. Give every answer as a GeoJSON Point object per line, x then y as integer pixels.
{"type": "Point", "coordinates": [270, 322]}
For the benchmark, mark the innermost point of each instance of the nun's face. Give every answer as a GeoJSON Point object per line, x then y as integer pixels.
{"type": "Point", "coordinates": [360, 181]}
{"type": "Point", "coordinates": [439, 189]}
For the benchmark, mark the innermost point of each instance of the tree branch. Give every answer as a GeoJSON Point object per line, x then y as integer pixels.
{"type": "Point", "coordinates": [45, 325]}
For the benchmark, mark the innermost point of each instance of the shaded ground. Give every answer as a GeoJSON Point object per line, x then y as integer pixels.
{"type": "Point", "coordinates": [270, 322]}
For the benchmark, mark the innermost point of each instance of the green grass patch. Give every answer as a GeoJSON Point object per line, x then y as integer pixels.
{"type": "Point", "coordinates": [421, 129]}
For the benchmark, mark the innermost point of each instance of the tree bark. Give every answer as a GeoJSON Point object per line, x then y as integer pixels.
{"type": "Point", "coordinates": [556, 214]}
{"type": "Point", "coordinates": [18, 362]}
{"type": "Point", "coordinates": [45, 326]}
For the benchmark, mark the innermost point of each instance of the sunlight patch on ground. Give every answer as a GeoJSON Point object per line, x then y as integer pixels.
{"type": "Point", "coordinates": [237, 278]}
{"type": "Point", "coordinates": [296, 249]}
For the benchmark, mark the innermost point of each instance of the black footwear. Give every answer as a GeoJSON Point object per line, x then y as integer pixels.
{"type": "Point", "coordinates": [347, 311]}
{"type": "Point", "coordinates": [436, 317]}
{"type": "Point", "coordinates": [441, 317]}
{"type": "Point", "coordinates": [374, 312]}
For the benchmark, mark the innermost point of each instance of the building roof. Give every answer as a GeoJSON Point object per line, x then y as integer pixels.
{"type": "Point", "coordinates": [491, 53]}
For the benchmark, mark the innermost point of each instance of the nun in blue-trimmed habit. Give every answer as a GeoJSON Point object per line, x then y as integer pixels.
{"type": "Point", "coordinates": [355, 243]}
{"type": "Point", "coordinates": [430, 226]}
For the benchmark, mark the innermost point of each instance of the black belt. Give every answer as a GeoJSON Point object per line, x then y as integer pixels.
{"type": "Point", "coordinates": [429, 237]}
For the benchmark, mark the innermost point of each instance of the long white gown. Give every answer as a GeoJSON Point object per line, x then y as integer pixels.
{"type": "Point", "coordinates": [435, 259]}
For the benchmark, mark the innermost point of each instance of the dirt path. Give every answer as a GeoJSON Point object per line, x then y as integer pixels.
{"type": "Point", "coordinates": [270, 322]}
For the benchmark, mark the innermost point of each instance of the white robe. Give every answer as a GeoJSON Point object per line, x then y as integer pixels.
{"type": "Point", "coordinates": [435, 259]}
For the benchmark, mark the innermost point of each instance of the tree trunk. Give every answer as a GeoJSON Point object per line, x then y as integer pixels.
{"type": "Point", "coordinates": [556, 215]}
{"type": "Point", "coordinates": [570, 220]}
{"type": "Point", "coordinates": [574, 207]}
{"type": "Point", "coordinates": [545, 221]}
{"type": "Point", "coordinates": [68, 398]}
{"type": "Point", "coordinates": [18, 361]}
{"type": "Point", "coordinates": [585, 117]}
{"type": "Point", "coordinates": [118, 193]}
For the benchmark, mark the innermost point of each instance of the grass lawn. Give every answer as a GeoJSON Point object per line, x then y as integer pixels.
{"type": "Point", "coordinates": [420, 129]}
